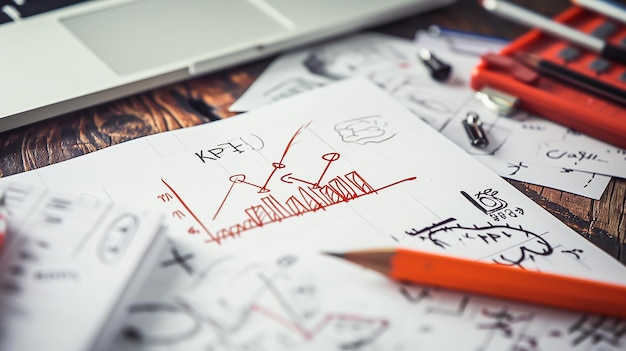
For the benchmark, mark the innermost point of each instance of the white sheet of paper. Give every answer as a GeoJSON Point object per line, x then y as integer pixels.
{"type": "Point", "coordinates": [408, 81]}
{"type": "Point", "coordinates": [554, 145]}
{"type": "Point", "coordinates": [70, 268]}
{"type": "Point", "coordinates": [321, 64]}
{"type": "Point", "coordinates": [253, 201]}
{"type": "Point", "coordinates": [587, 184]}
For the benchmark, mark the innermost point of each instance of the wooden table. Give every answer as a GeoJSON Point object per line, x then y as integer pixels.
{"type": "Point", "coordinates": [207, 98]}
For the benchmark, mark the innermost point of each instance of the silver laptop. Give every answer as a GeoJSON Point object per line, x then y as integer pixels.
{"type": "Point", "coordinates": [53, 61]}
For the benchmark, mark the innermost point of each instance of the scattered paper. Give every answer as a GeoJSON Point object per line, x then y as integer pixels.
{"type": "Point", "coordinates": [70, 268]}
{"type": "Point", "coordinates": [391, 63]}
{"type": "Point", "coordinates": [255, 200]}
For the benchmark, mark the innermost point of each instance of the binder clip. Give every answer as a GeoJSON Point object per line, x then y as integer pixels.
{"type": "Point", "coordinates": [502, 103]}
{"type": "Point", "coordinates": [474, 128]}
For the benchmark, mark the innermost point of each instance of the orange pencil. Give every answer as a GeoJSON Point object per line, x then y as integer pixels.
{"type": "Point", "coordinates": [494, 280]}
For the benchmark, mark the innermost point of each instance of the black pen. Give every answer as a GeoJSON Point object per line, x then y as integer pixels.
{"type": "Point", "coordinates": [579, 80]}
{"type": "Point", "coordinates": [547, 25]}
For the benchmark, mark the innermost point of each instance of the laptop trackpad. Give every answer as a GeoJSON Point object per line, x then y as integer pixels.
{"type": "Point", "coordinates": [147, 34]}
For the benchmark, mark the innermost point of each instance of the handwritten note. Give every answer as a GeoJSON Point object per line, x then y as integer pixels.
{"type": "Point", "coordinates": [253, 201]}
{"type": "Point", "coordinates": [545, 175]}
{"type": "Point", "coordinates": [390, 63]}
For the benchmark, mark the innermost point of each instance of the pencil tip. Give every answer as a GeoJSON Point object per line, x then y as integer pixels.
{"type": "Point", "coordinates": [335, 254]}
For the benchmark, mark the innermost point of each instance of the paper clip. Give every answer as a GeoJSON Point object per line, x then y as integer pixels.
{"type": "Point", "coordinates": [474, 127]}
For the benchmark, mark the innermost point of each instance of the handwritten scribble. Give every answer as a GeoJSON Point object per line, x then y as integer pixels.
{"type": "Point", "coordinates": [272, 209]}
{"type": "Point", "coordinates": [444, 236]}
{"type": "Point", "coordinates": [27, 257]}
{"type": "Point", "coordinates": [274, 309]}
{"type": "Point", "coordinates": [117, 237]}
{"type": "Point", "coordinates": [178, 259]}
{"type": "Point", "coordinates": [241, 178]}
{"type": "Point", "coordinates": [430, 104]}
{"type": "Point", "coordinates": [280, 164]}
{"type": "Point", "coordinates": [344, 325]}
{"type": "Point", "coordinates": [516, 167]}
{"type": "Point", "coordinates": [363, 130]}
{"type": "Point", "coordinates": [593, 175]}
{"type": "Point", "coordinates": [305, 195]}
{"type": "Point", "coordinates": [598, 330]}
{"type": "Point", "coordinates": [575, 252]}
{"type": "Point", "coordinates": [184, 204]}
{"type": "Point", "coordinates": [187, 323]}
{"type": "Point", "coordinates": [414, 298]}
{"type": "Point", "coordinates": [486, 200]}
{"type": "Point", "coordinates": [411, 90]}
{"type": "Point", "coordinates": [576, 156]}
{"type": "Point", "coordinates": [569, 170]}
{"type": "Point", "coordinates": [503, 320]}
{"type": "Point", "coordinates": [234, 146]}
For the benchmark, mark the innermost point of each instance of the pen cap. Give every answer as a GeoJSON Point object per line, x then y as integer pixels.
{"type": "Point", "coordinates": [438, 69]}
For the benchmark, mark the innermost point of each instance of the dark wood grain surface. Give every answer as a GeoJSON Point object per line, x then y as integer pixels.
{"type": "Point", "coordinates": [208, 97]}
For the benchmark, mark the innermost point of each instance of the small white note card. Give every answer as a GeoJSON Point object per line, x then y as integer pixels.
{"type": "Point", "coordinates": [70, 268]}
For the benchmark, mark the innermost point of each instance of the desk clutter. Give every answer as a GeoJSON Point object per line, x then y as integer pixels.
{"type": "Point", "coordinates": [579, 84]}
{"type": "Point", "coordinates": [254, 202]}
{"type": "Point", "coordinates": [514, 143]}
{"type": "Point", "coordinates": [216, 237]}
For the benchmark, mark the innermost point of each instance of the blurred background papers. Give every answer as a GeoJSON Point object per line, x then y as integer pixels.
{"type": "Point", "coordinates": [551, 153]}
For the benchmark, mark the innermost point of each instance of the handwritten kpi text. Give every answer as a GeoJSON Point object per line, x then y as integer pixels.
{"type": "Point", "coordinates": [238, 146]}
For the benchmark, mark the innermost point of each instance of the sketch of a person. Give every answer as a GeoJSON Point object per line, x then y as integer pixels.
{"type": "Point", "coordinates": [363, 130]}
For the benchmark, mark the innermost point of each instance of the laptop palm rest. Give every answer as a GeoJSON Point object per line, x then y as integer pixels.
{"type": "Point", "coordinates": [148, 34]}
